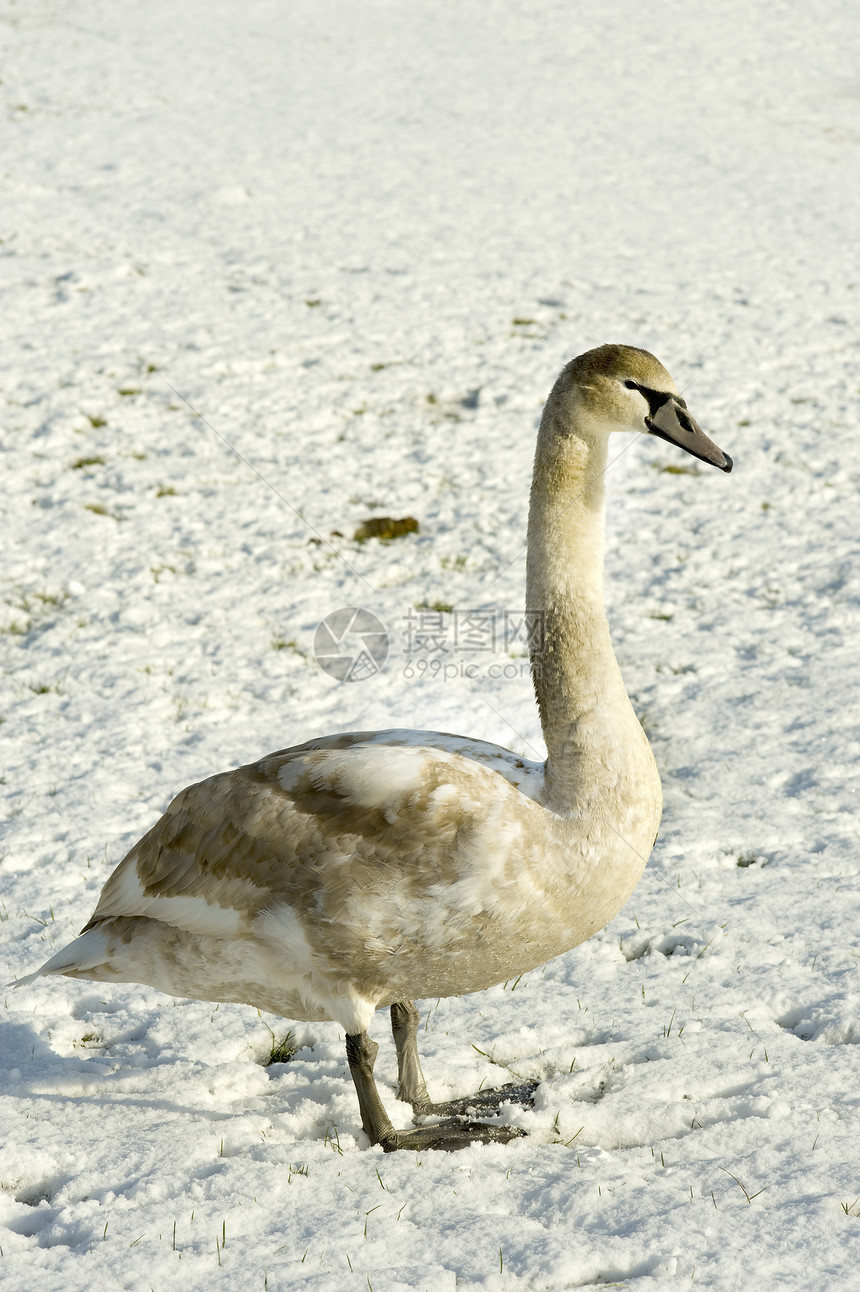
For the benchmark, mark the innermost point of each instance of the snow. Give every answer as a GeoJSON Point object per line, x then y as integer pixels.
{"type": "Point", "coordinates": [270, 270]}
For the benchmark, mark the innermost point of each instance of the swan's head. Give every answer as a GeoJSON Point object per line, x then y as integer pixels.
{"type": "Point", "coordinates": [624, 389]}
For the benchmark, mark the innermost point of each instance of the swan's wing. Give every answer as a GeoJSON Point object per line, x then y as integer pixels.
{"type": "Point", "coordinates": [526, 775]}
{"type": "Point", "coordinates": [317, 827]}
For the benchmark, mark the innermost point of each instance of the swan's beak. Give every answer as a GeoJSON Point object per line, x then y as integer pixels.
{"type": "Point", "coordinates": [673, 423]}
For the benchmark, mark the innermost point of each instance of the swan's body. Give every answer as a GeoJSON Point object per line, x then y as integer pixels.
{"type": "Point", "coordinates": [368, 869]}
{"type": "Point", "coordinates": [356, 871]}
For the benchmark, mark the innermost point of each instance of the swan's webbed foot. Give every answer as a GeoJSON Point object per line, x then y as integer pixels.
{"type": "Point", "coordinates": [450, 1136]}
{"type": "Point", "coordinates": [484, 1102]}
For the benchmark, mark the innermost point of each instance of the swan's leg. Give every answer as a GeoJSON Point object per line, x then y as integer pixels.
{"type": "Point", "coordinates": [361, 1054]}
{"type": "Point", "coordinates": [412, 1087]}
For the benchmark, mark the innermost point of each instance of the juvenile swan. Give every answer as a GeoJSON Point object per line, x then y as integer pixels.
{"type": "Point", "coordinates": [374, 868]}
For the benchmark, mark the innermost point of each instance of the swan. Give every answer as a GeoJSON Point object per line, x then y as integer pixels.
{"type": "Point", "coordinates": [371, 869]}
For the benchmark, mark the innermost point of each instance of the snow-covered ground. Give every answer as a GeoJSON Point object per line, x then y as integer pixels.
{"type": "Point", "coordinates": [270, 269]}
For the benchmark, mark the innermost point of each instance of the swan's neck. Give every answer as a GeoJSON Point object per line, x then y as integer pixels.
{"type": "Point", "coordinates": [584, 710]}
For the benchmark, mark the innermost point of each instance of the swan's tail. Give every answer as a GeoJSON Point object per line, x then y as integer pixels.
{"type": "Point", "coordinates": [85, 953]}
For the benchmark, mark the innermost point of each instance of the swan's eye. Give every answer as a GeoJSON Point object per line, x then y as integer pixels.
{"type": "Point", "coordinates": [631, 385]}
